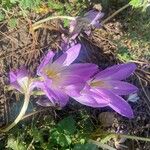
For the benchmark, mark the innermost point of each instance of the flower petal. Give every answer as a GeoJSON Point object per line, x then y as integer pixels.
{"type": "Point", "coordinates": [83, 70]}
{"type": "Point", "coordinates": [47, 60]}
{"type": "Point", "coordinates": [94, 16]}
{"type": "Point", "coordinates": [72, 54]}
{"type": "Point", "coordinates": [117, 103]}
{"type": "Point", "coordinates": [56, 96]}
{"type": "Point", "coordinates": [60, 97]}
{"type": "Point", "coordinates": [45, 102]}
{"type": "Point", "coordinates": [16, 77]}
{"type": "Point", "coordinates": [121, 88]}
{"type": "Point", "coordinates": [91, 98]}
{"type": "Point", "coordinates": [117, 72]}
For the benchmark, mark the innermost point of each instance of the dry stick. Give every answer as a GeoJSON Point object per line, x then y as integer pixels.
{"type": "Point", "coordinates": [21, 114]}
{"type": "Point", "coordinates": [144, 92]}
{"type": "Point", "coordinates": [115, 13]}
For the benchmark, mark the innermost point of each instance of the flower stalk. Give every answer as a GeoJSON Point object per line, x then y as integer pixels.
{"type": "Point", "coordinates": [21, 114]}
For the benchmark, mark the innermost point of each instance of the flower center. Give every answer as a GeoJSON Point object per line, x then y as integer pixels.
{"type": "Point", "coordinates": [98, 83]}
{"type": "Point", "coordinates": [51, 73]}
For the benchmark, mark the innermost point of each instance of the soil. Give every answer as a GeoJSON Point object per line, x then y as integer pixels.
{"type": "Point", "coordinates": [18, 47]}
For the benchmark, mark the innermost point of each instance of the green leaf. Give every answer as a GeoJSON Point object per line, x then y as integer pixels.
{"type": "Point", "coordinates": [67, 125]}
{"type": "Point", "coordinates": [139, 4]}
{"type": "Point", "coordinates": [29, 3]}
{"type": "Point", "coordinates": [85, 147]}
{"type": "Point", "coordinates": [14, 1]}
{"type": "Point", "coordinates": [2, 16]}
{"type": "Point", "coordinates": [12, 23]}
{"type": "Point", "coordinates": [63, 140]}
{"type": "Point", "coordinates": [66, 22]}
{"type": "Point", "coordinates": [15, 144]}
{"type": "Point", "coordinates": [36, 134]}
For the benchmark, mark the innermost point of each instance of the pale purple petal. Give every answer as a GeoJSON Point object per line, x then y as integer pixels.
{"type": "Point", "coordinates": [117, 103]}
{"type": "Point", "coordinates": [47, 60]}
{"type": "Point", "coordinates": [117, 72]}
{"type": "Point", "coordinates": [56, 96]}
{"type": "Point", "coordinates": [45, 102]}
{"type": "Point", "coordinates": [72, 54]}
{"type": "Point", "coordinates": [13, 80]}
{"type": "Point", "coordinates": [60, 97]}
{"type": "Point", "coordinates": [60, 60]}
{"type": "Point", "coordinates": [74, 89]}
{"type": "Point", "coordinates": [121, 88]}
{"type": "Point", "coordinates": [16, 76]}
{"type": "Point", "coordinates": [84, 70]}
{"type": "Point", "coordinates": [69, 56]}
{"type": "Point", "coordinates": [93, 16]}
{"type": "Point", "coordinates": [91, 98]}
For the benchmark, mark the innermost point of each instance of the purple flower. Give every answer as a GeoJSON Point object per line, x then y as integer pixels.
{"type": "Point", "coordinates": [90, 19]}
{"type": "Point", "coordinates": [20, 80]}
{"type": "Point", "coordinates": [60, 78]}
{"type": "Point", "coordinates": [105, 88]}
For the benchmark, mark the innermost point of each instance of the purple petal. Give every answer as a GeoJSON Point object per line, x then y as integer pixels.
{"type": "Point", "coordinates": [117, 103]}
{"type": "Point", "coordinates": [60, 60]}
{"type": "Point", "coordinates": [60, 97]}
{"type": "Point", "coordinates": [122, 88]}
{"type": "Point", "coordinates": [45, 102]}
{"type": "Point", "coordinates": [94, 16]}
{"type": "Point", "coordinates": [117, 72]}
{"type": "Point", "coordinates": [72, 54]}
{"type": "Point", "coordinates": [83, 70]}
{"type": "Point", "coordinates": [16, 76]}
{"type": "Point", "coordinates": [91, 98]}
{"type": "Point", "coordinates": [47, 60]}
{"type": "Point", "coordinates": [74, 89]}
{"type": "Point", "coordinates": [56, 96]}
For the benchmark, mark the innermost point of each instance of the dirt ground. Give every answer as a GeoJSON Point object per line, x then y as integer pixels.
{"type": "Point", "coordinates": [19, 47]}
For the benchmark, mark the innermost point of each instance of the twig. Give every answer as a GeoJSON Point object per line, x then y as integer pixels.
{"type": "Point", "coordinates": [34, 113]}
{"type": "Point", "coordinates": [99, 144]}
{"type": "Point", "coordinates": [30, 145]}
{"type": "Point", "coordinates": [115, 13]}
{"type": "Point", "coordinates": [144, 92]}
{"type": "Point", "coordinates": [8, 37]}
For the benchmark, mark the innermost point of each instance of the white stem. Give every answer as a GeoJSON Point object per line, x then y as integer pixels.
{"type": "Point", "coordinates": [21, 114]}
{"type": "Point", "coordinates": [53, 17]}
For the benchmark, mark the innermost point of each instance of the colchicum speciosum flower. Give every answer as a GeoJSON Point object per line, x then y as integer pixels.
{"type": "Point", "coordinates": [106, 88]}
{"type": "Point", "coordinates": [20, 80]}
{"type": "Point", "coordinates": [61, 79]}
{"type": "Point", "coordinates": [90, 20]}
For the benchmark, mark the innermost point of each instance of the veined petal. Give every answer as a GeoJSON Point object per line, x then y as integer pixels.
{"type": "Point", "coordinates": [19, 78]}
{"type": "Point", "coordinates": [74, 89]}
{"type": "Point", "coordinates": [91, 98]}
{"type": "Point", "coordinates": [47, 60]}
{"type": "Point", "coordinates": [60, 97]}
{"type": "Point", "coordinates": [45, 102]}
{"type": "Point", "coordinates": [42, 86]}
{"type": "Point", "coordinates": [83, 70]}
{"type": "Point", "coordinates": [121, 88]}
{"type": "Point", "coordinates": [60, 60]}
{"type": "Point", "coordinates": [56, 96]}
{"type": "Point", "coordinates": [72, 54]}
{"type": "Point", "coordinates": [69, 56]}
{"type": "Point", "coordinates": [117, 103]}
{"type": "Point", "coordinates": [94, 16]}
{"type": "Point", "coordinates": [117, 72]}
